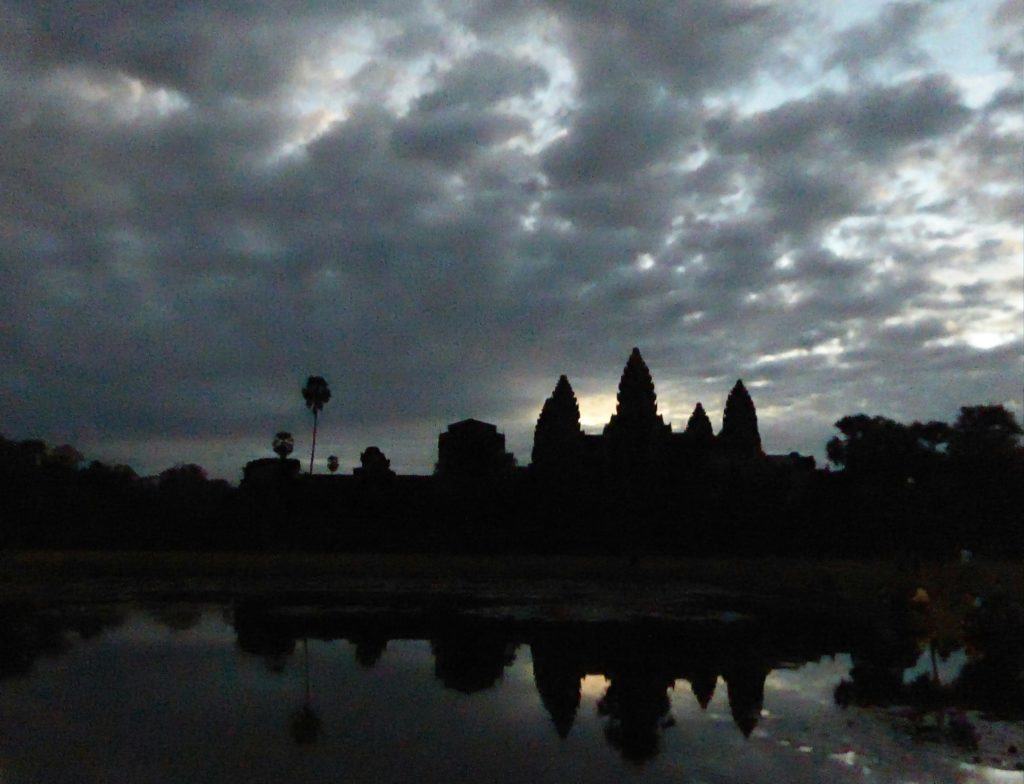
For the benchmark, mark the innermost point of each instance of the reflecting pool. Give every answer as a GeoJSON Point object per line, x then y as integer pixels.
{"type": "Point", "coordinates": [255, 690]}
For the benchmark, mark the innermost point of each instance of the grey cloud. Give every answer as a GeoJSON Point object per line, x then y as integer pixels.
{"type": "Point", "coordinates": [482, 79]}
{"type": "Point", "coordinates": [692, 46]}
{"type": "Point", "coordinates": [872, 121]}
{"type": "Point", "coordinates": [803, 197]}
{"type": "Point", "coordinates": [888, 36]}
{"type": "Point", "coordinates": [181, 45]}
{"type": "Point", "coordinates": [617, 135]}
{"type": "Point", "coordinates": [172, 271]}
{"type": "Point", "coordinates": [452, 135]}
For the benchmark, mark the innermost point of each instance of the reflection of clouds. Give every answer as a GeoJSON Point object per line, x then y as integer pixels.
{"type": "Point", "coordinates": [982, 774]}
{"type": "Point", "coordinates": [149, 704]}
{"type": "Point", "coordinates": [949, 668]}
{"type": "Point", "coordinates": [813, 681]}
{"type": "Point", "coordinates": [593, 687]}
{"type": "Point", "coordinates": [141, 629]}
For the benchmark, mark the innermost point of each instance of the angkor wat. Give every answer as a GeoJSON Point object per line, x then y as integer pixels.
{"type": "Point", "coordinates": [923, 488]}
{"type": "Point", "coordinates": [575, 491]}
{"type": "Point", "coordinates": [637, 446]}
{"type": "Point", "coordinates": [640, 487]}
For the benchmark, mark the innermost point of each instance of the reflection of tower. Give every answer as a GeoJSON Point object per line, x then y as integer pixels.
{"type": "Point", "coordinates": [636, 432]}
{"type": "Point", "coordinates": [703, 682]}
{"type": "Point", "coordinates": [635, 703]}
{"type": "Point", "coordinates": [557, 674]}
{"type": "Point", "coordinates": [745, 683]}
{"type": "Point", "coordinates": [471, 662]}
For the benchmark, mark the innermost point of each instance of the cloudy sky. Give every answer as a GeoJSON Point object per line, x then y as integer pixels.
{"type": "Point", "coordinates": [442, 206]}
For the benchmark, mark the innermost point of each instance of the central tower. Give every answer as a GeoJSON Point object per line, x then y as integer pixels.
{"type": "Point", "coordinates": [636, 433]}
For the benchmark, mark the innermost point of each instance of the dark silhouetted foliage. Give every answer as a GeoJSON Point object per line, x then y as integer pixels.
{"type": "Point", "coordinates": [373, 465]}
{"type": "Point", "coordinates": [984, 435]}
{"type": "Point", "coordinates": [284, 444]}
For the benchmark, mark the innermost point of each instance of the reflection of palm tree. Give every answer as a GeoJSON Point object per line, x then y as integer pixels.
{"type": "Point", "coordinates": [316, 393]}
{"type": "Point", "coordinates": [305, 725]}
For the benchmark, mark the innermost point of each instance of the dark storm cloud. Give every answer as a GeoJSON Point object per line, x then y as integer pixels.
{"type": "Point", "coordinates": [450, 136]}
{"type": "Point", "coordinates": [689, 47]}
{"type": "Point", "coordinates": [870, 122]}
{"type": "Point", "coordinates": [888, 36]}
{"type": "Point", "coordinates": [440, 215]}
{"type": "Point", "coordinates": [616, 136]}
{"type": "Point", "coordinates": [482, 79]}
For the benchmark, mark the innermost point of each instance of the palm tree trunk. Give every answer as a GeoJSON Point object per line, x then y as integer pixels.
{"type": "Point", "coordinates": [312, 452]}
{"type": "Point", "coordinates": [305, 660]}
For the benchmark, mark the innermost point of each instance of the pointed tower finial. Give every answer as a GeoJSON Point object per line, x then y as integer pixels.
{"type": "Point", "coordinates": [739, 433]}
{"type": "Point", "coordinates": [698, 428]}
{"type": "Point", "coordinates": [556, 439]}
{"type": "Point", "coordinates": [637, 400]}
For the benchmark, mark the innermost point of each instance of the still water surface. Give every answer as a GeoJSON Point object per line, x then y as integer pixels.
{"type": "Point", "coordinates": [208, 694]}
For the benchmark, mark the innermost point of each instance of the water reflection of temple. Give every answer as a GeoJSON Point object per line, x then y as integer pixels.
{"type": "Point", "coordinates": [642, 662]}
{"type": "Point", "coordinates": [650, 664]}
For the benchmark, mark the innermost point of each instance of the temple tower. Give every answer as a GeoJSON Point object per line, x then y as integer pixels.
{"type": "Point", "coordinates": [739, 435]}
{"type": "Point", "coordinates": [558, 439]}
{"type": "Point", "coordinates": [699, 433]}
{"type": "Point", "coordinates": [636, 433]}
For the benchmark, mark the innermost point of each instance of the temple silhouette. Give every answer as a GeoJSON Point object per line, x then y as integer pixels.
{"type": "Point", "coordinates": [633, 485]}
{"type": "Point", "coordinates": [637, 445]}
{"type": "Point", "coordinates": [650, 665]}
{"type": "Point", "coordinates": [892, 489]}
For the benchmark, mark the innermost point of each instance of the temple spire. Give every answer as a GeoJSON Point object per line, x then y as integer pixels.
{"type": "Point", "coordinates": [636, 433]}
{"type": "Point", "coordinates": [698, 428]}
{"type": "Point", "coordinates": [637, 401]}
{"type": "Point", "coordinates": [739, 433]}
{"type": "Point", "coordinates": [556, 439]}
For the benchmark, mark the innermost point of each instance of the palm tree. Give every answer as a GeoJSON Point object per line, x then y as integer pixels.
{"type": "Point", "coordinates": [316, 394]}
{"type": "Point", "coordinates": [305, 723]}
{"type": "Point", "coordinates": [283, 444]}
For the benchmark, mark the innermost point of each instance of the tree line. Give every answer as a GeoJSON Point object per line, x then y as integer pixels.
{"type": "Point", "coordinates": [928, 489]}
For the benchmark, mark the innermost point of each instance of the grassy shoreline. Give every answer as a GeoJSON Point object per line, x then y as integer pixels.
{"type": "Point", "coordinates": [853, 582]}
